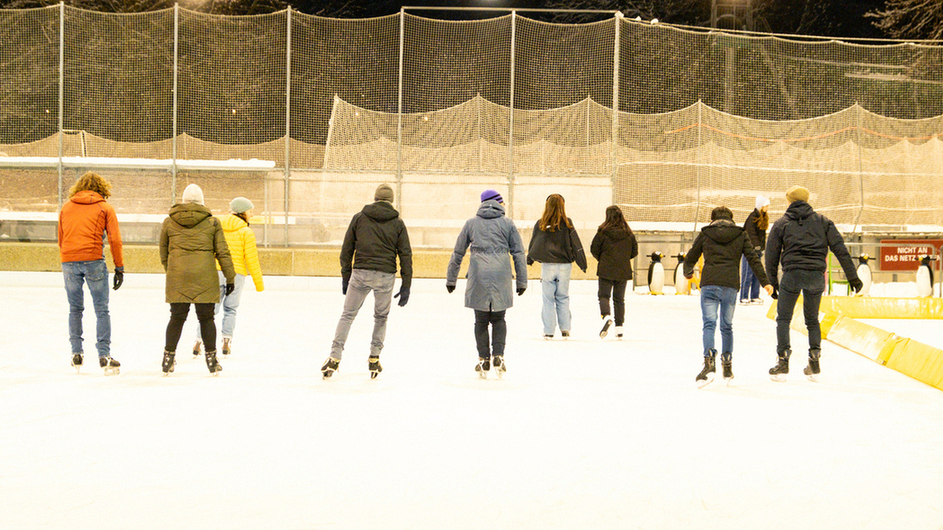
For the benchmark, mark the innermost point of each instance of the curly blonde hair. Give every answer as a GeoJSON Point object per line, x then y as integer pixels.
{"type": "Point", "coordinates": [93, 182]}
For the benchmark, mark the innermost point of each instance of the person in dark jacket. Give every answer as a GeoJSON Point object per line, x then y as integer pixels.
{"type": "Point", "coordinates": [800, 241]}
{"type": "Point", "coordinates": [722, 243]}
{"type": "Point", "coordinates": [489, 290]}
{"type": "Point", "coordinates": [614, 248]}
{"type": "Point", "coordinates": [755, 225]}
{"type": "Point", "coordinates": [375, 238]}
{"type": "Point", "coordinates": [556, 245]}
{"type": "Point", "coordinates": [191, 243]}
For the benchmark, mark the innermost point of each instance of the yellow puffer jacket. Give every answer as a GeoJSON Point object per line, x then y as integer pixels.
{"type": "Point", "coordinates": [241, 241]}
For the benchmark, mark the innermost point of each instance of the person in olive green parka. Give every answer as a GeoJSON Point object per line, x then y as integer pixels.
{"type": "Point", "coordinates": [191, 242]}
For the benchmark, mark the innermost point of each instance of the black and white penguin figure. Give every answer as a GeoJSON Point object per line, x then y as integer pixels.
{"type": "Point", "coordinates": [864, 274]}
{"type": "Point", "coordinates": [656, 274]}
{"type": "Point", "coordinates": [925, 278]}
{"type": "Point", "coordinates": [682, 285]}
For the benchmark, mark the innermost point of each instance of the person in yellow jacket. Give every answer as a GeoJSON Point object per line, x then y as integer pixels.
{"type": "Point", "coordinates": [245, 259]}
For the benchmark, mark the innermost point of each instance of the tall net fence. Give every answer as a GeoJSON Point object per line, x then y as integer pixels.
{"type": "Point", "coordinates": [306, 115]}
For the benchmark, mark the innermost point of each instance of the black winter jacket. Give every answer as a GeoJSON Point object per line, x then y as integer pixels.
{"type": "Point", "coordinates": [375, 237]}
{"type": "Point", "coordinates": [722, 243]}
{"type": "Point", "coordinates": [757, 236]}
{"type": "Point", "coordinates": [614, 250]}
{"type": "Point", "coordinates": [801, 239]}
{"type": "Point", "coordinates": [560, 246]}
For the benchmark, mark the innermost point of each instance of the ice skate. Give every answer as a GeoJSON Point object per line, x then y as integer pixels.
{"type": "Point", "coordinates": [226, 348]}
{"type": "Point", "coordinates": [373, 363]}
{"type": "Point", "coordinates": [607, 321]}
{"type": "Point", "coordinates": [778, 372]}
{"type": "Point", "coordinates": [812, 370]}
{"type": "Point", "coordinates": [548, 336]}
{"type": "Point", "coordinates": [330, 366]}
{"type": "Point", "coordinates": [197, 348]}
{"type": "Point", "coordinates": [499, 366]}
{"type": "Point", "coordinates": [167, 365]}
{"type": "Point", "coordinates": [726, 362]}
{"type": "Point", "coordinates": [619, 332]}
{"type": "Point", "coordinates": [111, 366]}
{"type": "Point", "coordinates": [565, 335]}
{"type": "Point", "coordinates": [211, 363]}
{"type": "Point", "coordinates": [756, 301]}
{"type": "Point", "coordinates": [483, 366]}
{"type": "Point", "coordinates": [707, 373]}
{"type": "Point", "coordinates": [77, 361]}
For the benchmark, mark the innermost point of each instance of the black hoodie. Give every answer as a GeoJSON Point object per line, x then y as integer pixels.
{"type": "Point", "coordinates": [722, 243]}
{"type": "Point", "coordinates": [614, 249]}
{"type": "Point", "coordinates": [801, 239]}
{"type": "Point", "coordinates": [375, 237]}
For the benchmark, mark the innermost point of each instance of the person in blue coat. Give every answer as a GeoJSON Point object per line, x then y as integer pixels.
{"type": "Point", "coordinates": [491, 236]}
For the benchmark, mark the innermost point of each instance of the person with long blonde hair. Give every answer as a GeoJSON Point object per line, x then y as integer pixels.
{"type": "Point", "coordinates": [555, 245]}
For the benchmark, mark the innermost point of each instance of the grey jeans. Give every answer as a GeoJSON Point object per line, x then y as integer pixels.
{"type": "Point", "coordinates": [363, 281]}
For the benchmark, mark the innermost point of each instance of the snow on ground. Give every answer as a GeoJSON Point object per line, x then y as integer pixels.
{"type": "Point", "coordinates": [584, 433]}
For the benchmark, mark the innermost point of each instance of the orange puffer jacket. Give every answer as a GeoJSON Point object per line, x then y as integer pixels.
{"type": "Point", "coordinates": [83, 222]}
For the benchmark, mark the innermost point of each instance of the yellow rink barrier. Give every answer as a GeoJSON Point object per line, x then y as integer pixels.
{"type": "Point", "coordinates": [907, 356]}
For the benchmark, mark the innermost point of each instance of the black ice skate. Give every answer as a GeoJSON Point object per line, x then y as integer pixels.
{"type": "Point", "coordinates": [226, 348]}
{"type": "Point", "coordinates": [111, 366]}
{"type": "Point", "coordinates": [373, 363]}
{"type": "Point", "coordinates": [211, 363]}
{"type": "Point", "coordinates": [778, 372]}
{"type": "Point", "coordinates": [167, 365]}
{"type": "Point", "coordinates": [812, 371]}
{"type": "Point", "coordinates": [726, 362]}
{"type": "Point", "coordinates": [607, 321]}
{"type": "Point", "coordinates": [484, 365]}
{"type": "Point", "coordinates": [707, 373]}
{"type": "Point", "coordinates": [197, 349]}
{"type": "Point", "coordinates": [499, 366]}
{"type": "Point", "coordinates": [77, 361]}
{"type": "Point", "coordinates": [330, 366]}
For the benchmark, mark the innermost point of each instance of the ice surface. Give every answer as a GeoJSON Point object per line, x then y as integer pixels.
{"type": "Point", "coordinates": [579, 434]}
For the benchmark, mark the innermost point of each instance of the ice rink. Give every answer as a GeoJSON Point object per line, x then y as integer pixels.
{"type": "Point", "coordinates": [586, 433]}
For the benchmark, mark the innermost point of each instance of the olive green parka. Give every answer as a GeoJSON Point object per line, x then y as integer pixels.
{"type": "Point", "coordinates": [191, 242]}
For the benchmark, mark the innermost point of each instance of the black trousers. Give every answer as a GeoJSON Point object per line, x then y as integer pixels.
{"type": "Point", "coordinates": [614, 289]}
{"type": "Point", "coordinates": [499, 333]}
{"type": "Point", "coordinates": [178, 315]}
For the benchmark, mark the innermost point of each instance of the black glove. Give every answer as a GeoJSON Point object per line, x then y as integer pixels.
{"type": "Point", "coordinates": [855, 284]}
{"type": "Point", "coordinates": [345, 281]}
{"type": "Point", "coordinates": [520, 290]}
{"type": "Point", "coordinates": [449, 288]}
{"type": "Point", "coordinates": [119, 277]}
{"type": "Point", "coordinates": [403, 296]}
{"type": "Point", "coordinates": [530, 261]}
{"type": "Point", "coordinates": [775, 295]}
{"type": "Point", "coordinates": [230, 287]}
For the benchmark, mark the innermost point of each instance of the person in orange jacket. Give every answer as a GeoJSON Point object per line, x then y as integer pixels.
{"type": "Point", "coordinates": [84, 222]}
{"type": "Point", "coordinates": [245, 259]}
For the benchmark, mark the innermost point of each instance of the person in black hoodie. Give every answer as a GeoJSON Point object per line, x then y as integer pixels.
{"type": "Point", "coordinates": [614, 248]}
{"type": "Point", "coordinates": [755, 225]}
{"type": "Point", "coordinates": [800, 241]}
{"type": "Point", "coordinates": [374, 239]}
{"type": "Point", "coordinates": [722, 243]}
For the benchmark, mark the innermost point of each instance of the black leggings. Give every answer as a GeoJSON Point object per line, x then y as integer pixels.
{"type": "Point", "coordinates": [615, 289]}
{"type": "Point", "coordinates": [499, 333]}
{"type": "Point", "coordinates": [178, 315]}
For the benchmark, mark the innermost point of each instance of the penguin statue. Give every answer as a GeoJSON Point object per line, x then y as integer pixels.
{"type": "Point", "coordinates": [925, 278]}
{"type": "Point", "coordinates": [864, 274]}
{"type": "Point", "coordinates": [656, 274]}
{"type": "Point", "coordinates": [682, 284]}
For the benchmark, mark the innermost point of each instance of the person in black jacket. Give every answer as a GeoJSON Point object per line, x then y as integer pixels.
{"type": "Point", "coordinates": [374, 239]}
{"type": "Point", "coordinates": [800, 241]}
{"type": "Point", "coordinates": [556, 245]}
{"type": "Point", "coordinates": [755, 225]}
{"type": "Point", "coordinates": [722, 243]}
{"type": "Point", "coordinates": [614, 248]}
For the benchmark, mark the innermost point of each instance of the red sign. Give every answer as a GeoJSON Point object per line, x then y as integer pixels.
{"type": "Point", "coordinates": [907, 253]}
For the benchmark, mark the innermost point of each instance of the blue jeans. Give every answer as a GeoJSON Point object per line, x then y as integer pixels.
{"type": "Point", "coordinates": [229, 304]}
{"type": "Point", "coordinates": [811, 284]}
{"type": "Point", "coordinates": [363, 281]}
{"type": "Point", "coordinates": [555, 283]}
{"type": "Point", "coordinates": [95, 274]}
{"type": "Point", "coordinates": [749, 283]}
{"type": "Point", "coordinates": [724, 299]}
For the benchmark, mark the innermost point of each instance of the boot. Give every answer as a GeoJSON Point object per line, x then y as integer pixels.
{"type": "Point", "coordinates": [812, 371]}
{"type": "Point", "coordinates": [77, 361]}
{"type": "Point", "coordinates": [619, 332]}
{"type": "Point", "coordinates": [778, 372]}
{"type": "Point", "coordinates": [606, 322]}
{"type": "Point", "coordinates": [226, 348]}
{"type": "Point", "coordinates": [167, 365]}
{"type": "Point", "coordinates": [373, 363]}
{"type": "Point", "coordinates": [726, 361]}
{"type": "Point", "coordinates": [707, 373]}
{"type": "Point", "coordinates": [484, 364]}
{"type": "Point", "coordinates": [211, 363]}
{"type": "Point", "coordinates": [330, 366]}
{"type": "Point", "coordinates": [499, 366]}
{"type": "Point", "coordinates": [198, 348]}
{"type": "Point", "coordinates": [111, 366]}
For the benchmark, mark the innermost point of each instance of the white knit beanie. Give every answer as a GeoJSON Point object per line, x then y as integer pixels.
{"type": "Point", "coordinates": [761, 201]}
{"type": "Point", "coordinates": [192, 193]}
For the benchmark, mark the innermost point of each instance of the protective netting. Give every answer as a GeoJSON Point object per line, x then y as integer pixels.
{"type": "Point", "coordinates": [443, 109]}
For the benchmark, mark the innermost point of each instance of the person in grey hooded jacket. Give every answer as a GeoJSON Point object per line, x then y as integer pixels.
{"type": "Point", "coordinates": [489, 291]}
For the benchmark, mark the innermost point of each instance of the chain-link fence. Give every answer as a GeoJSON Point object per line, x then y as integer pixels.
{"type": "Point", "coordinates": [306, 115]}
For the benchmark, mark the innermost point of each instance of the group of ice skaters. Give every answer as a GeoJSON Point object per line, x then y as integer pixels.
{"type": "Point", "coordinates": [207, 260]}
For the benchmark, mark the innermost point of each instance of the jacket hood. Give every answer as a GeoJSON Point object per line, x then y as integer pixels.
{"type": "Point", "coordinates": [380, 211]}
{"type": "Point", "coordinates": [87, 197]}
{"type": "Point", "coordinates": [722, 231]}
{"type": "Point", "coordinates": [799, 210]}
{"type": "Point", "coordinates": [490, 210]}
{"type": "Point", "coordinates": [232, 223]}
{"type": "Point", "coordinates": [189, 215]}
{"type": "Point", "coordinates": [615, 233]}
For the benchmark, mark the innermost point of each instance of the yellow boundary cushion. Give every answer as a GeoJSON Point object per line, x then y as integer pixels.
{"type": "Point", "coordinates": [859, 337]}
{"type": "Point", "coordinates": [878, 307]}
{"type": "Point", "coordinates": [915, 359]}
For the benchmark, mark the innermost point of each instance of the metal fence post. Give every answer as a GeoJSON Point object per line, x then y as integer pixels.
{"type": "Point", "coordinates": [510, 201]}
{"type": "Point", "coordinates": [287, 202]}
{"type": "Point", "coordinates": [173, 144]}
{"type": "Point", "coordinates": [399, 112]}
{"type": "Point", "coordinates": [61, 91]}
{"type": "Point", "coordinates": [615, 103]}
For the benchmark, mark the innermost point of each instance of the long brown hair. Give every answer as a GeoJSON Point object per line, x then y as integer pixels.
{"type": "Point", "coordinates": [615, 219]}
{"type": "Point", "coordinates": [91, 182]}
{"type": "Point", "coordinates": [762, 220]}
{"type": "Point", "coordinates": [554, 214]}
